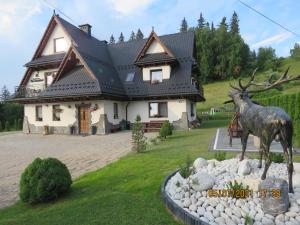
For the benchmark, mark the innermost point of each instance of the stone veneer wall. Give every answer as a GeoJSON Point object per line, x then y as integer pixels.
{"type": "Point", "coordinates": [182, 123]}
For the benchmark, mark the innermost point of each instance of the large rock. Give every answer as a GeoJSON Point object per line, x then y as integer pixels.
{"type": "Point", "coordinates": [270, 204]}
{"type": "Point", "coordinates": [202, 181]}
{"type": "Point", "coordinates": [244, 168]}
{"type": "Point", "coordinates": [199, 164]}
{"type": "Point", "coordinates": [252, 183]}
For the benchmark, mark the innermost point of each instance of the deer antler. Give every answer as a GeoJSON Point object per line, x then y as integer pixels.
{"type": "Point", "coordinates": [283, 79]}
{"type": "Point", "coordinates": [235, 88]}
{"type": "Point", "coordinates": [244, 88]}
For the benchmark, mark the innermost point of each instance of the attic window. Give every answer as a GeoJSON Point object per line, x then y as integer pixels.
{"type": "Point", "coordinates": [59, 45]}
{"type": "Point", "coordinates": [130, 77]}
{"type": "Point", "coordinates": [156, 76]}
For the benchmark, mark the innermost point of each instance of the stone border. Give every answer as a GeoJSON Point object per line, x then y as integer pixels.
{"type": "Point", "coordinates": [178, 212]}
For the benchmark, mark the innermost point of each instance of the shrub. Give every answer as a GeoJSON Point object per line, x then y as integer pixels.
{"type": "Point", "coordinates": [187, 169]}
{"type": "Point", "coordinates": [154, 141]}
{"type": "Point", "coordinates": [236, 187]}
{"type": "Point", "coordinates": [248, 220]}
{"type": "Point", "coordinates": [277, 158]}
{"type": "Point", "coordinates": [166, 129]}
{"type": "Point", "coordinates": [44, 180]}
{"type": "Point", "coordinates": [220, 155]}
{"type": "Point", "coordinates": [138, 138]}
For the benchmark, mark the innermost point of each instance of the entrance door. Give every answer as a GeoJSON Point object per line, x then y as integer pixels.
{"type": "Point", "coordinates": [84, 120]}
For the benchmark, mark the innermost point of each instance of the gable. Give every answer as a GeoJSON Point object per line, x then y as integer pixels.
{"type": "Point", "coordinates": [57, 33]}
{"type": "Point", "coordinates": [155, 47]}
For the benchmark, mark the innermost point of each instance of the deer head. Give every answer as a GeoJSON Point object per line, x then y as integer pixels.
{"type": "Point", "coordinates": [242, 92]}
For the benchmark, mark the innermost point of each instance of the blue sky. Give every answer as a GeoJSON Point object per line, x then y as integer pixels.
{"type": "Point", "coordinates": [22, 23]}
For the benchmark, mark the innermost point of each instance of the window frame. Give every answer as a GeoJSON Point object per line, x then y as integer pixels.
{"type": "Point", "coordinates": [54, 45]}
{"type": "Point", "coordinates": [54, 115]}
{"type": "Point", "coordinates": [116, 110]}
{"type": "Point", "coordinates": [47, 74]}
{"type": "Point", "coordinates": [158, 109]}
{"type": "Point", "coordinates": [155, 70]}
{"type": "Point", "coordinates": [37, 118]}
{"type": "Point", "coordinates": [192, 109]}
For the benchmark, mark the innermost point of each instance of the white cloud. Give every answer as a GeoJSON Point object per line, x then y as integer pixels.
{"type": "Point", "coordinates": [14, 14]}
{"type": "Point", "coordinates": [276, 39]}
{"type": "Point", "coordinates": [130, 6]}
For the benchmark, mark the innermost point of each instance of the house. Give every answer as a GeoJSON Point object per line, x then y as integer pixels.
{"type": "Point", "coordinates": [78, 84]}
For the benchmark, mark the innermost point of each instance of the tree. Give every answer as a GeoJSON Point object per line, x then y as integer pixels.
{"type": "Point", "coordinates": [132, 36]}
{"type": "Point", "coordinates": [112, 39]}
{"type": "Point", "coordinates": [266, 58]}
{"type": "Point", "coordinates": [295, 52]}
{"type": "Point", "coordinates": [234, 24]}
{"type": "Point", "coordinates": [121, 38]}
{"type": "Point", "coordinates": [139, 35]}
{"type": "Point", "coordinates": [4, 94]}
{"type": "Point", "coordinates": [201, 21]}
{"type": "Point", "coordinates": [184, 26]}
{"type": "Point", "coordinates": [138, 138]}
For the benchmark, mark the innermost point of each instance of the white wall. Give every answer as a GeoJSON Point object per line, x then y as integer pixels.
{"type": "Point", "coordinates": [57, 33]}
{"type": "Point", "coordinates": [166, 70]}
{"type": "Point", "coordinates": [155, 47]}
{"type": "Point", "coordinates": [175, 110]}
{"type": "Point", "coordinates": [109, 111]}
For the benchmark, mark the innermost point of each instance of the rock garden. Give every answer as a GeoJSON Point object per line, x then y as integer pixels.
{"type": "Point", "coordinates": [201, 188]}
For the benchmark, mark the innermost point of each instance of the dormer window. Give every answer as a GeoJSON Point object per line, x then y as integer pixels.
{"type": "Point", "coordinates": [59, 45]}
{"type": "Point", "coordinates": [156, 76]}
{"type": "Point", "coordinates": [130, 77]}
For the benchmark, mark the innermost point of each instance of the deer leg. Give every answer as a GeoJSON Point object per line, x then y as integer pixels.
{"type": "Point", "coordinates": [288, 153]}
{"type": "Point", "coordinates": [244, 140]}
{"type": "Point", "coordinates": [261, 150]}
{"type": "Point", "coordinates": [268, 161]}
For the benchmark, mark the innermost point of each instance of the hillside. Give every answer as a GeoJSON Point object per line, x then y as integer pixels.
{"type": "Point", "coordinates": [216, 93]}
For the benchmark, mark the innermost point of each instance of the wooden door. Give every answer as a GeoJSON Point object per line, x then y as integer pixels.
{"type": "Point", "coordinates": [84, 120]}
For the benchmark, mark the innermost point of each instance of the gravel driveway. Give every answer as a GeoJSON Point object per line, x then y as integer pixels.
{"type": "Point", "coordinates": [80, 154]}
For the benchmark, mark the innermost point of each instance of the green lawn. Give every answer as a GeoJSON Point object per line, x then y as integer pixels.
{"type": "Point", "coordinates": [125, 192]}
{"type": "Point", "coordinates": [216, 93]}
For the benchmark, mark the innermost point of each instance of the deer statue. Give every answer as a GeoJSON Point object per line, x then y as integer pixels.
{"type": "Point", "coordinates": [267, 123]}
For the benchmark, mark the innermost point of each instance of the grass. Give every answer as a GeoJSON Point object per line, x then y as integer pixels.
{"type": "Point", "coordinates": [216, 93]}
{"type": "Point", "coordinates": [124, 192]}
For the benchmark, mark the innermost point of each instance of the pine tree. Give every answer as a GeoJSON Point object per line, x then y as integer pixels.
{"type": "Point", "coordinates": [201, 21]}
{"type": "Point", "coordinates": [212, 28]}
{"type": "Point", "coordinates": [121, 38]}
{"type": "Point", "coordinates": [1, 126]}
{"type": "Point", "coordinates": [132, 36]}
{"type": "Point", "coordinates": [112, 39]}
{"type": "Point", "coordinates": [138, 138]}
{"type": "Point", "coordinates": [4, 94]}
{"type": "Point", "coordinates": [15, 127]}
{"type": "Point", "coordinates": [139, 35]}
{"type": "Point", "coordinates": [184, 26]}
{"type": "Point", "coordinates": [6, 127]}
{"type": "Point", "coordinates": [234, 24]}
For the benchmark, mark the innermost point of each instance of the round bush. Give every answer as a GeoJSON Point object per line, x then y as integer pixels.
{"type": "Point", "coordinates": [44, 180]}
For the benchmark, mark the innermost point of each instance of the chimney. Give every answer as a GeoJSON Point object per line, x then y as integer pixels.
{"type": "Point", "coordinates": [86, 28]}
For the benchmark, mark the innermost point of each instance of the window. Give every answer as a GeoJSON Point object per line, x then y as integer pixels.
{"type": "Point", "coordinates": [158, 109]}
{"type": "Point", "coordinates": [49, 76]}
{"type": "Point", "coordinates": [56, 112]}
{"type": "Point", "coordinates": [38, 113]}
{"type": "Point", "coordinates": [156, 76]}
{"type": "Point", "coordinates": [192, 109]}
{"type": "Point", "coordinates": [59, 44]}
{"type": "Point", "coordinates": [130, 77]}
{"type": "Point", "coordinates": [116, 114]}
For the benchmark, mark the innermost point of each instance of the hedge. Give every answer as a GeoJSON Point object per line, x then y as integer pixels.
{"type": "Point", "coordinates": [291, 104]}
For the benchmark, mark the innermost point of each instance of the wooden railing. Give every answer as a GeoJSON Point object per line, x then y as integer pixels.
{"type": "Point", "coordinates": [27, 92]}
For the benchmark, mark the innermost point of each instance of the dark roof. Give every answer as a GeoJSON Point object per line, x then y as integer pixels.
{"type": "Point", "coordinates": [46, 59]}
{"type": "Point", "coordinates": [149, 59]}
{"type": "Point", "coordinates": [110, 64]}
{"type": "Point", "coordinates": [75, 82]}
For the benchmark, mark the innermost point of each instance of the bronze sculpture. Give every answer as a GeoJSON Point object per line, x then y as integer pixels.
{"type": "Point", "coordinates": [267, 123]}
